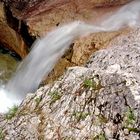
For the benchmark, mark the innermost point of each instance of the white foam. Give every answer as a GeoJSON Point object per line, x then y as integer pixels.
{"type": "Point", "coordinates": [6, 102]}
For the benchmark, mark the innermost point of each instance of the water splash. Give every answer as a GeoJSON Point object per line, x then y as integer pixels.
{"type": "Point", "coordinates": [6, 102]}
{"type": "Point", "coordinates": [47, 50]}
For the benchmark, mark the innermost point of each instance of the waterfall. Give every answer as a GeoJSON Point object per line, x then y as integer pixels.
{"type": "Point", "coordinates": [47, 50]}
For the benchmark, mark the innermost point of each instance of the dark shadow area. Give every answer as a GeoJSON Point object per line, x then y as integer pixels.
{"type": "Point", "coordinates": [5, 50]}
{"type": "Point", "coordinates": [19, 26]}
{"type": "Point", "coordinates": [25, 34]}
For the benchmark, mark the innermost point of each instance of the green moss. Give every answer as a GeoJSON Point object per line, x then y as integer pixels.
{"type": "Point", "coordinates": [99, 137]}
{"type": "Point", "coordinates": [135, 130]}
{"type": "Point", "coordinates": [102, 137]}
{"type": "Point", "coordinates": [68, 138]}
{"type": "Point", "coordinates": [12, 112]}
{"type": "Point", "coordinates": [102, 119]}
{"type": "Point", "coordinates": [38, 100]}
{"type": "Point", "coordinates": [80, 115]}
{"type": "Point", "coordinates": [1, 135]}
{"type": "Point", "coordinates": [129, 117]}
{"type": "Point", "coordinates": [54, 96]}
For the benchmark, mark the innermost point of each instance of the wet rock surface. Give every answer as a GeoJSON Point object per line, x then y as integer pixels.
{"type": "Point", "coordinates": [97, 101]}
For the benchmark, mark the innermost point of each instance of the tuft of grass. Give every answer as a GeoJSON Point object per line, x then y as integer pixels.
{"type": "Point", "coordinates": [100, 137]}
{"type": "Point", "coordinates": [102, 119]}
{"type": "Point", "coordinates": [68, 138]}
{"type": "Point", "coordinates": [130, 117]}
{"type": "Point", "coordinates": [1, 135]}
{"type": "Point", "coordinates": [80, 115]}
{"type": "Point", "coordinates": [12, 112]}
{"type": "Point", "coordinates": [54, 96]}
{"type": "Point", "coordinates": [135, 130]}
{"type": "Point", "coordinates": [88, 83]}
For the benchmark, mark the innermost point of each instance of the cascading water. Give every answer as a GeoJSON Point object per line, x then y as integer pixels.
{"type": "Point", "coordinates": [47, 50]}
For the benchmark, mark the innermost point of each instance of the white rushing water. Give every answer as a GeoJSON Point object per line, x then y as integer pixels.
{"type": "Point", "coordinates": [47, 50]}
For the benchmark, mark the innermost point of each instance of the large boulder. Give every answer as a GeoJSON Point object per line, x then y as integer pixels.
{"type": "Point", "coordinates": [42, 16]}
{"type": "Point", "coordinates": [97, 101]}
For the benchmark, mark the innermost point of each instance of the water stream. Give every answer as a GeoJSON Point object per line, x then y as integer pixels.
{"type": "Point", "coordinates": [47, 50]}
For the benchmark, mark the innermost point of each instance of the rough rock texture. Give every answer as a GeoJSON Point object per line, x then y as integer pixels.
{"type": "Point", "coordinates": [84, 47]}
{"type": "Point", "coordinates": [49, 14]}
{"type": "Point", "coordinates": [81, 50]}
{"type": "Point", "coordinates": [96, 102]}
{"type": "Point", "coordinates": [9, 38]}
{"type": "Point", "coordinates": [42, 16]}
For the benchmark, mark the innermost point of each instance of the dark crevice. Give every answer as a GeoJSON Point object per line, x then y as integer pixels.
{"type": "Point", "coordinates": [117, 119]}
{"type": "Point", "coordinates": [25, 34]}
{"type": "Point", "coordinates": [19, 26]}
{"type": "Point", "coordinates": [68, 54]}
{"type": "Point", "coordinates": [5, 50]}
{"type": "Point", "coordinates": [11, 20]}
{"type": "Point", "coordinates": [116, 136]}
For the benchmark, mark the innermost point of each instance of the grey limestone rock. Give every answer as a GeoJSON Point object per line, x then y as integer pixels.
{"type": "Point", "coordinates": [97, 102]}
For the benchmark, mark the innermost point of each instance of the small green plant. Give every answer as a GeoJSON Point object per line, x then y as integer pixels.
{"type": "Point", "coordinates": [135, 130]}
{"type": "Point", "coordinates": [1, 135]}
{"type": "Point", "coordinates": [100, 137]}
{"type": "Point", "coordinates": [12, 112]}
{"type": "Point", "coordinates": [102, 119]}
{"type": "Point", "coordinates": [68, 138]}
{"type": "Point", "coordinates": [88, 83]}
{"type": "Point", "coordinates": [129, 117]}
{"type": "Point", "coordinates": [38, 100]}
{"type": "Point", "coordinates": [80, 115]}
{"type": "Point", "coordinates": [54, 96]}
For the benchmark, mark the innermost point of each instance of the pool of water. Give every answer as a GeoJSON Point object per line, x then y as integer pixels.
{"type": "Point", "coordinates": [7, 67]}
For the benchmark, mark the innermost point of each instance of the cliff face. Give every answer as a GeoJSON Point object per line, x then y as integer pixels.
{"type": "Point", "coordinates": [97, 101]}
{"type": "Point", "coordinates": [43, 16]}
{"type": "Point", "coordinates": [28, 8]}
{"type": "Point", "coordinates": [10, 38]}
{"type": "Point", "coordinates": [29, 19]}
